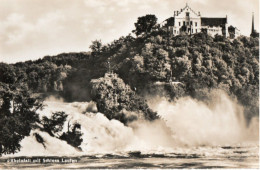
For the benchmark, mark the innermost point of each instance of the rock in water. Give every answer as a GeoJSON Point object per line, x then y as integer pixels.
{"type": "Point", "coordinates": [118, 101]}
{"type": "Point", "coordinates": [39, 139]}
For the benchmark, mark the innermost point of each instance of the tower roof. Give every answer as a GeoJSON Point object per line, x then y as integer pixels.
{"type": "Point", "coordinates": [253, 25]}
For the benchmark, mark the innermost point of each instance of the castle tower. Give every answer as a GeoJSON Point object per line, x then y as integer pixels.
{"type": "Point", "coordinates": [253, 31]}
{"type": "Point", "coordinates": [253, 26]}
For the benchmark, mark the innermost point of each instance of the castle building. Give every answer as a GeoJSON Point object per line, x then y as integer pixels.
{"type": "Point", "coordinates": [188, 21]}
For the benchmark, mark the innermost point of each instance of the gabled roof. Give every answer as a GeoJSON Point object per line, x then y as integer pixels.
{"type": "Point", "coordinates": [170, 21]}
{"type": "Point", "coordinates": [187, 6]}
{"type": "Point", "coordinates": [213, 21]}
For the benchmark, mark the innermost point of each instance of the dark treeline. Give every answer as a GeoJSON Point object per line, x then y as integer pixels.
{"type": "Point", "coordinates": [199, 62]}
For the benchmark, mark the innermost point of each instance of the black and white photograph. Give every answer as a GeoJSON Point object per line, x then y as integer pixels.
{"type": "Point", "coordinates": [129, 84]}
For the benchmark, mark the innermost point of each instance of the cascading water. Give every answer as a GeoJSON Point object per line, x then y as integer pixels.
{"type": "Point", "coordinates": [185, 122]}
{"type": "Point", "coordinates": [195, 123]}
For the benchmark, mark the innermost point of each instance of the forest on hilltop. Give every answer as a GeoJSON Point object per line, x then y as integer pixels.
{"type": "Point", "coordinates": [199, 62]}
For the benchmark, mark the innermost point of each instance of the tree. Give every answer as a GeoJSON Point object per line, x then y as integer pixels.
{"type": "Point", "coordinates": [254, 34]}
{"type": "Point", "coordinates": [7, 73]}
{"type": "Point", "coordinates": [96, 47]}
{"type": "Point", "coordinates": [181, 67]}
{"type": "Point", "coordinates": [55, 123]}
{"type": "Point", "coordinates": [17, 118]}
{"type": "Point", "coordinates": [145, 24]}
{"type": "Point", "coordinates": [73, 135]}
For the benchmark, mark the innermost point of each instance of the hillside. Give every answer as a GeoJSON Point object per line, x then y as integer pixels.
{"type": "Point", "coordinates": [120, 76]}
{"type": "Point", "coordinates": [200, 62]}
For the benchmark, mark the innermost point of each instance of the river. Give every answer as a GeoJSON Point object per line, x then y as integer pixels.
{"type": "Point", "coordinates": [189, 134]}
{"type": "Point", "coordinates": [197, 157]}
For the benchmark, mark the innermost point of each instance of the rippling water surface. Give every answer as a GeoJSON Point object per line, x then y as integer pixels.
{"type": "Point", "coordinates": [199, 157]}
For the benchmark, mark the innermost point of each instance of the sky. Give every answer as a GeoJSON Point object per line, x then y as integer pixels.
{"type": "Point", "coordinates": [32, 29]}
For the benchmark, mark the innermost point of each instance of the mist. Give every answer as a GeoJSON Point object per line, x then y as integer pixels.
{"type": "Point", "coordinates": [186, 122]}
{"type": "Point", "coordinates": [219, 121]}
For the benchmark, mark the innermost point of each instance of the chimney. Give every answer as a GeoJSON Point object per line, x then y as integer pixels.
{"type": "Point", "coordinates": [177, 13]}
{"type": "Point", "coordinates": [174, 13]}
{"type": "Point", "coordinates": [199, 13]}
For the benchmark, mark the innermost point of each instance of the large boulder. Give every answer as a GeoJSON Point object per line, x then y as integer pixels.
{"type": "Point", "coordinates": [118, 101]}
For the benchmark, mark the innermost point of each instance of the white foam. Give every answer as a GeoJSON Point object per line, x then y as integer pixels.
{"type": "Point", "coordinates": [186, 122]}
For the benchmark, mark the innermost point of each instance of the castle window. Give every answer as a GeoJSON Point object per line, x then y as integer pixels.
{"type": "Point", "coordinates": [196, 24]}
{"type": "Point", "coordinates": [187, 23]}
{"type": "Point", "coordinates": [184, 23]}
{"type": "Point", "coordinates": [179, 23]}
{"type": "Point", "coordinates": [187, 14]}
{"type": "Point", "coordinates": [191, 23]}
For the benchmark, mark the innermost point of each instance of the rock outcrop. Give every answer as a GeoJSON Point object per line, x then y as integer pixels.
{"type": "Point", "coordinates": [118, 101]}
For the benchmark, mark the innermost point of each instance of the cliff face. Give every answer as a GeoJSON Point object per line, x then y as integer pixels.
{"type": "Point", "coordinates": [118, 101]}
